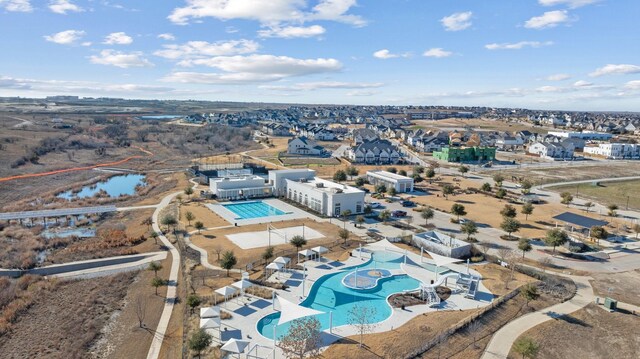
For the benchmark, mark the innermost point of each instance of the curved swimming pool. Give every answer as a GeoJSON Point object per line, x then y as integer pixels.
{"type": "Point", "coordinates": [328, 294]}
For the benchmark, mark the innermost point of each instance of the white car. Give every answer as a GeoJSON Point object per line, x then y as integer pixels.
{"type": "Point", "coordinates": [374, 205]}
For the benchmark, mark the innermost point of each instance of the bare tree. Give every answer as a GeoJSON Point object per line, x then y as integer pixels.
{"type": "Point", "coordinates": [362, 317]}
{"type": "Point", "coordinates": [504, 252]}
{"type": "Point", "coordinates": [217, 249]}
{"type": "Point", "coordinates": [140, 307]}
{"type": "Point", "coordinates": [545, 263]}
{"type": "Point", "coordinates": [302, 338]}
{"type": "Point", "coordinates": [474, 329]}
{"type": "Point", "coordinates": [485, 247]}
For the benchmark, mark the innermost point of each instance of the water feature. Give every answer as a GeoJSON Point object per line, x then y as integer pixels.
{"type": "Point", "coordinates": [114, 187]}
{"type": "Point", "coordinates": [158, 117]}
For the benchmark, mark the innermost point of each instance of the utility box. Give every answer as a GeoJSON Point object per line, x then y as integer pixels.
{"type": "Point", "coordinates": [610, 304]}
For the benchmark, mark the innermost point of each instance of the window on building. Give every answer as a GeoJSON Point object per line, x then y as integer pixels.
{"type": "Point", "coordinates": [336, 209]}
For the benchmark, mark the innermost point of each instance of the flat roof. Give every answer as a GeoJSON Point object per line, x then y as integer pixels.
{"type": "Point", "coordinates": [580, 221]}
{"type": "Point", "coordinates": [236, 178]}
{"type": "Point", "coordinates": [328, 186]}
{"type": "Point", "coordinates": [389, 175]}
{"type": "Point", "coordinates": [56, 212]}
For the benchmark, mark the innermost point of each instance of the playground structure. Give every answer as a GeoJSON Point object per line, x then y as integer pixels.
{"type": "Point", "coordinates": [465, 284]}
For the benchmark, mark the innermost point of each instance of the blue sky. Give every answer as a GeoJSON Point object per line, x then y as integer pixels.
{"type": "Point", "coordinates": [541, 54]}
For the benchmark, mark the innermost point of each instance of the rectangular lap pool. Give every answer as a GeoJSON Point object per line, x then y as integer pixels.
{"type": "Point", "coordinates": [256, 209]}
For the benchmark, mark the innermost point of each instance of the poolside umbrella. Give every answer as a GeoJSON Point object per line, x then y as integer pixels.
{"type": "Point", "coordinates": [320, 250]}
{"type": "Point", "coordinates": [235, 346]}
{"type": "Point", "coordinates": [290, 311]}
{"type": "Point", "coordinates": [225, 291]}
{"type": "Point", "coordinates": [209, 312]}
{"type": "Point", "coordinates": [306, 253]}
{"type": "Point", "coordinates": [242, 285]}
{"type": "Point", "coordinates": [210, 323]}
{"type": "Point", "coordinates": [282, 260]}
{"type": "Point", "coordinates": [441, 260]}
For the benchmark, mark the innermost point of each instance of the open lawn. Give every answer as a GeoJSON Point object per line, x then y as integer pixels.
{"type": "Point", "coordinates": [624, 287]}
{"type": "Point", "coordinates": [588, 333]}
{"type": "Point", "coordinates": [476, 124]}
{"type": "Point", "coordinates": [607, 192]}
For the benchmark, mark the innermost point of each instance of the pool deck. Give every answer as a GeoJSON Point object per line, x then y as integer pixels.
{"type": "Point", "coordinates": [247, 310]}
{"type": "Point", "coordinates": [291, 212]}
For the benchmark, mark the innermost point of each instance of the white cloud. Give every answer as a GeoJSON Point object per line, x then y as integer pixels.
{"type": "Point", "coordinates": [254, 68]}
{"type": "Point", "coordinates": [289, 32]}
{"type": "Point", "coordinates": [310, 86]}
{"type": "Point", "coordinates": [550, 89]}
{"type": "Point", "coordinates": [64, 6]}
{"type": "Point", "coordinates": [361, 93]}
{"type": "Point", "coordinates": [57, 86]}
{"type": "Point", "coordinates": [570, 3]}
{"type": "Point", "coordinates": [633, 85]}
{"type": "Point", "coordinates": [558, 77]}
{"type": "Point", "coordinates": [120, 59]}
{"type": "Point", "coordinates": [68, 37]}
{"type": "Point", "coordinates": [272, 12]}
{"type": "Point", "coordinates": [16, 5]}
{"type": "Point", "coordinates": [582, 83]}
{"type": "Point", "coordinates": [458, 21]}
{"type": "Point", "coordinates": [117, 38]}
{"type": "Point", "coordinates": [193, 50]}
{"type": "Point", "coordinates": [385, 54]}
{"type": "Point", "coordinates": [517, 45]}
{"type": "Point", "coordinates": [548, 19]}
{"type": "Point", "coordinates": [437, 52]}
{"type": "Point", "coordinates": [166, 36]}
{"type": "Point", "coordinates": [612, 69]}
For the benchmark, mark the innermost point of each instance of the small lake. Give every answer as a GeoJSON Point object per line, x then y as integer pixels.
{"type": "Point", "coordinates": [115, 186]}
{"type": "Point", "coordinates": [159, 117]}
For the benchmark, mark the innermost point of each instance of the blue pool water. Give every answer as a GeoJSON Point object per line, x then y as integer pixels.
{"type": "Point", "coordinates": [115, 186]}
{"type": "Point", "coordinates": [328, 294]}
{"type": "Point", "coordinates": [255, 209]}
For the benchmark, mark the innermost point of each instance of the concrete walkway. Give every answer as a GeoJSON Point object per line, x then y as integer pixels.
{"type": "Point", "coordinates": [503, 339]}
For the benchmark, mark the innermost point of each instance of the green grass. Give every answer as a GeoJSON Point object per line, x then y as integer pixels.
{"type": "Point", "coordinates": [607, 192]}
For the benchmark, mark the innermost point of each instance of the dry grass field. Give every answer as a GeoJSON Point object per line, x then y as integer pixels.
{"type": "Point", "coordinates": [624, 287]}
{"type": "Point", "coordinates": [590, 333]}
{"type": "Point", "coordinates": [620, 193]}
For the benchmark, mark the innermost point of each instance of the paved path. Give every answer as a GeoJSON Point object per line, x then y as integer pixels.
{"type": "Point", "coordinates": [133, 208]}
{"type": "Point", "coordinates": [111, 269]}
{"type": "Point", "coordinates": [503, 339]}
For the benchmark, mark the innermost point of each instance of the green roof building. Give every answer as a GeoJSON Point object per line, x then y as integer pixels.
{"type": "Point", "coordinates": [466, 154]}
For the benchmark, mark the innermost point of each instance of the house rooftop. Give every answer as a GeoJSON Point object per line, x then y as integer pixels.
{"type": "Point", "coordinates": [389, 175]}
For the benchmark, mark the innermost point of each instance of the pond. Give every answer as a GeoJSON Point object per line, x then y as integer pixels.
{"type": "Point", "coordinates": [158, 117]}
{"type": "Point", "coordinates": [114, 187]}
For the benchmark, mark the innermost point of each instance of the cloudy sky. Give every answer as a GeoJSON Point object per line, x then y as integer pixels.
{"type": "Point", "coordinates": [542, 54]}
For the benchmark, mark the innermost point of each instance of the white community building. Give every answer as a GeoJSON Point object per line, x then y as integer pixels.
{"type": "Point", "coordinates": [391, 180]}
{"type": "Point", "coordinates": [615, 151]}
{"type": "Point", "coordinates": [325, 197]}
{"type": "Point", "coordinates": [242, 187]}
{"type": "Point", "coordinates": [442, 244]}
{"type": "Point", "coordinates": [277, 179]}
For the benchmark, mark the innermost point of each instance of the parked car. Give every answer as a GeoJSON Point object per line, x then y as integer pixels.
{"type": "Point", "coordinates": [374, 205]}
{"type": "Point", "coordinates": [408, 203]}
{"type": "Point", "coordinates": [398, 214]}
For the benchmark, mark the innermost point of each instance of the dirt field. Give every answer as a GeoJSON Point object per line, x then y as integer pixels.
{"type": "Point", "coordinates": [477, 124]}
{"type": "Point", "coordinates": [216, 239]}
{"type": "Point", "coordinates": [608, 192]}
{"type": "Point", "coordinates": [624, 287]}
{"type": "Point", "coordinates": [588, 333]}
{"type": "Point", "coordinates": [209, 218]}
{"type": "Point", "coordinates": [493, 277]}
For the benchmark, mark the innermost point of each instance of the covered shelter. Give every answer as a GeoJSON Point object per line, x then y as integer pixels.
{"type": "Point", "coordinates": [441, 261]}
{"type": "Point", "coordinates": [290, 311]}
{"type": "Point", "coordinates": [576, 221]}
{"type": "Point", "coordinates": [210, 323]}
{"type": "Point", "coordinates": [283, 260]}
{"type": "Point", "coordinates": [226, 292]}
{"type": "Point", "coordinates": [320, 250]}
{"type": "Point", "coordinates": [235, 346]}
{"type": "Point", "coordinates": [242, 285]}
{"type": "Point", "coordinates": [209, 312]}
{"type": "Point", "coordinates": [306, 253]}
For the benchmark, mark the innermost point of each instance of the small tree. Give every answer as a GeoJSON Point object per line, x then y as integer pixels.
{"type": "Point", "coordinates": [381, 188]}
{"type": "Point", "coordinates": [566, 198]}
{"type": "Point", "coordinates": [524, 244]}
{"type": "Point", "coordinates": [155, 236]}
{"type": "Point", "coordinates": [189, 216]}
{"type": "Point", "coordinates": [427, 214]}
{"type": "Point", "coordinates": [344, 235]}
{"type": "Point", "coordinates": [188, 191]}
{"type": "Point", "coordinates": [463, 170]}
{"type": "Point", "coordinates": [362, 317]}
{"type": "Point", "coordinates": [402, 173]}
{"type": "Point", "coordinates": [267, 254]}
{"type": "Point", "coordinates": [526, 186]}
{"type": "Point", "coordinates": [384, 215]}
{"type": "Point", "coordinates": [179, 199]}
{"type": "Point", "coordinates": [199, 341]}
{"type": "Point", "coordinates": [458, 210]}
{"type": "Point", "coordinates": [218, 250]}
{"type": "Point", "coordinates": [140, 307]}
{"type": "Point", "coordinates": [588, 206]}
{"type": "Point", "coordinates": [302, 338]}
{"type": "Point", "coordinates": [154, 267]}
{"type": "Point", "coordinates": [147, 222]}
{"type": "Point", "coordinates": [228, 261]}
{"type": "Point", "coordinates": [392, 170]}
{"type": "Point", "coordinates": [529, 292]}
{"type": "Point", "coordinates": [199, 226]}
{"type": "Point", "coordinates": [418, 169]}
{"type": "Point", "coordinates": [485, 247]}
{"type": "Point", "coordinates": [501, 193]}
{"type": "Point", "coordinates": [360, 220]}
{"type": "Point", "coordinates": [556, 237]}
{"type": "Point", "coordinates": [486, 187]}
{"type": "Point", "coordinates": [157, 282]}
{"type": "Point", "coordinates": [193, 301]}
{"type": "Point", "coordinates": [447, 190]}
{"type": "Point", "coordinates": [430, 173]}
{"type": "Point", "coordinates": [474, 328]}
{"type": "Point", "coordinates": [527, 209]}
{"type": "Point", "coordinates": [598, 232]}
{"type": "Point", "coordinates": [352, 171]}
{"type": "Point", "coordinates": [612, 210]}
{"type": "Point", "coordinates": [360, 182]}
{"type": "Point", "coordinates": [169, 221]}
{"type": "Point", "coordinates": [416, 178]}
{"type": "Point", "coordinates": [510, 225]}
{"type": "Point", "coordinates": [545, 262]}
{"type": "Point", "coordinates": [636, 229]}
{"type": "Point", "coordinates": [509, 211]}
{"type": "Point", "coordinates": [498, 178]}
{"type": "Point", "coordinates": [392, 191]}
{"type": "Point", "coordinates": [469, 228]}
{"type": "Point", "coordinates": [340, 176]}
{"type": "Point", "coordinates": [298, 242]}
{"type": "Point", "coordinates": [526, 347]}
